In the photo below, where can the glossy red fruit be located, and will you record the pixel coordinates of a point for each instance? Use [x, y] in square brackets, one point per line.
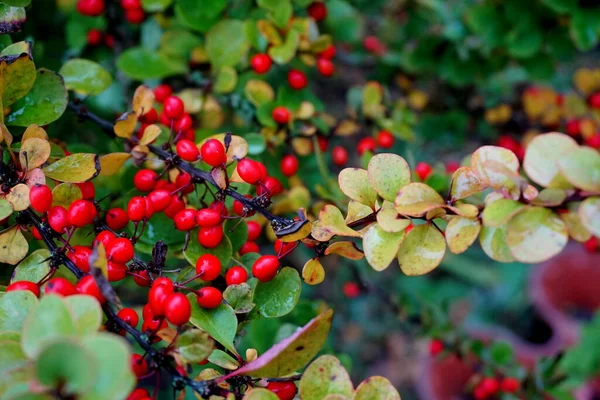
[88, 191]
[187, 150]
[87, 285]
[177, 309]
[254, 230]
[177, 204]
[40, 198]
[283, 390]
[328, 53]
[351, 290]
[508, 142]
[373, 45]
[136, 208]
[120, 250]
[208, 267]
[297, 79]
[80, 255]
[210, 236]
[289, 165]
[162, 92]
[60, 286]
[270, 187]
[236, 275]
[385, 139]
[81, 213]
[156, 298]
[131, 4]
[283, 248]
[24, 285]
[58, 219]
[573, 127]
[135, 16]
[593, 141]
[325, 67]
[339, 156]
[249, 171]
[317, 10]
[109, 41]
[366, 144]
[452, 166]
[116, 271]
[116, 219]
[149, 209]
[479, 393]
[261, 63]
[164, 281]
[209, 297]
[249, 247]
[423, 170]
[160, 199]
[213, 153]
[142, 278]
[150, 117]
[594, 100]
[281, 115]
[94, 37]
[185, 220]
[591, 244]
[36, 234]
[145, 180]
[206, 217]
[436, 346]
[510, 385]
[139, 394]
[104, 237]
[154, 325]
[130, 316]
[265, 268]
[183, 183]
[184, 123]
[173, 107]
[91, 8]
[490, 385]
[238, 207]
[139, 365]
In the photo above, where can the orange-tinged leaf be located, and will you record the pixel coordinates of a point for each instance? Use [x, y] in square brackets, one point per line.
[143, 100]
[33, 153]
[34, 131]
[542, 157]
[465, 183]
[74, 168]
[313, 272]
[13, 246]
[112, 163]
[422, 250]
[381, 247]
[461, 233]
[19, 197]
[416, 199]
[345, 249]
[150, 134]
[220, 177]
[125, 125]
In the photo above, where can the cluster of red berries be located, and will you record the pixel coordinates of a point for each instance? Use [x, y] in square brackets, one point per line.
[91, 8]
[573, 127]
[384, 140]
[261, 64]
[134, 13]
[490, 387]
[173, 115]
[95, 37]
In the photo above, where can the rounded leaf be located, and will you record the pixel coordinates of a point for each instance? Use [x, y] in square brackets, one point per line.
[589, 212]
[18, 197]
[86, 312]
[74, 168]
[331, 223]
[33, 153]
[85, 77]
[14, 308]
[345, 249]
[376, 387]
[493, 242]
[581, 167]
[226, 43]
[143, 100]
[323, 377]
[220, 323]
[112, 163]
[422, 250]
[65, 193]
[461, 233]
[416, 199]
[13, 246]
[381, 247]
[388, 173]
[33, 268]
[542, 157]
[501, 211]
[488, 163]
[313, 272]
[194, 345]
[354, 182]
[280, 295]
[575, 226]
[260, 394]
[465, 182]
[259, 92]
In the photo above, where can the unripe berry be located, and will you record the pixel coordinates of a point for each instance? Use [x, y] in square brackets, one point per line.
[289, 165]
[317, 10]
[24, 285]
[60, 286]
[58, 219]
[261, 63]
[209, 297]
[80, 255]
[283, 390]
[81, 213]
[87, 285]
[236, 275]
[116, 219]
[40, 198]
[210, 237]
[366, 144]
[145, 180]
[213, 153]
[297, 79]
[177, 309]
[173, 107]
[136, 208]
[208, 267]
[265, 268]
[339, 156]
[423, 170]
[325, 67]
[281, 115]
[187, 150]
[385, 139]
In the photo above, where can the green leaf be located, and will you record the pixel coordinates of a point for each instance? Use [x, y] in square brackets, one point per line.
[331, 223]
[11, 355]
[237, 232]
[161, 227]
[279, 296]
[114, 379]
[589, 214]
[325, 376]
[561, 6]
[581, 167]
[220, 322]
[194, 346]
[14, 307]
[226, 43]
[85, 77]
[493, 243]
[461, 233]
[199, 15]
[376, 387]
[33, 268]
[16, 3]
[226, 80]
[284, 53]
[260, 394]
[12, 19]
[45, 323]
[74, 168]
[259, 93]
[381, 247]
[542, 157]
[354, 182]
[583, 29]
[239, 298]
[256, 143]
[292, 353]
[535, 235]
[581, 361]
[17, 75]
[178, 43]
[64, 194]
[13, 245]
[501, 352]
[45, 102]
[75, 373]
[524, 41]
[140, 64]
[223, 360]
[87, 313]
[388, 173]
[280, 11]
[6, 208]
[422, 250]
[499, 212]
[153, 6]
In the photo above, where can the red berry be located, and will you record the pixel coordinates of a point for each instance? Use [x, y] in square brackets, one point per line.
[94, 37]
[209, 297]
[452, 166]
[177, 309]
[297, 79]
[173, 107]
[373, 45]
[328, 53]
[238, 208]
[593, 141]
[162, 92]
[208, 267]
[142, 278]
[116, 219]
[40, 197]
[289, 165]
[236, 275]
[510, 385]
[177, 204]
[339, 156]
[136, 208]
[591, 244]
[131, 4]
[490, 385]
[249, 247]
[109, 41]
[36, 233]
[136, 16]
[185, 220]
[145, 180]
[88, 191]
[325, 67]
[149, 117]
[164, 281]
[573, 127]
[211, 236]
[183, 183]
[139, 394]
[479, 393]
[270, 187]
[87, 285]
[283, 248]
[156, 298]
[130, 316]
[436, 346]
[160, 199]
[318, 11]
[139, 365]
[90, 8]
[594, 100]
[253, 230]
[265, 268]
[260, 63]
[116, 271]
[206, 217]
[120, 250]
[80, 255]
[249, 171]
[323, 143]
[60, 286]
[281, 115]
[183, 124]
[187, 150]
[366, 144]
[283, 390]
[508, 142]
[213, 153]
[351, 290]
[385, 139]
[423, 170]
[154, 325]
[81, 213]
[24, 285]
[58, 219]
[104, 237]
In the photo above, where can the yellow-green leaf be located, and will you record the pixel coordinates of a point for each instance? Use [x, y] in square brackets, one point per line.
[388, 173]
[33, 153]
[416, 199]
[489, 163]
[260, 394]
[501, 211]
[422, 250]
[226, 80]
[381, 247]
[542, 157]
[112, 163]
[581, 167]
[354, 182]
[283, 53]
[74, 168]
[65, 193]
[461, 233]
[313, 272]
[376, 387]
[17, 76]
[150, 134]
[390, 221]
[6, 208]
[330, 223]
[13, 246]
[85, 77]
[550, 197]
[465, 182]
[258, 92]
[493, 243]
[125, 125]
[345, 249]
[575, 226]
[589, 212]
[325, 376]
